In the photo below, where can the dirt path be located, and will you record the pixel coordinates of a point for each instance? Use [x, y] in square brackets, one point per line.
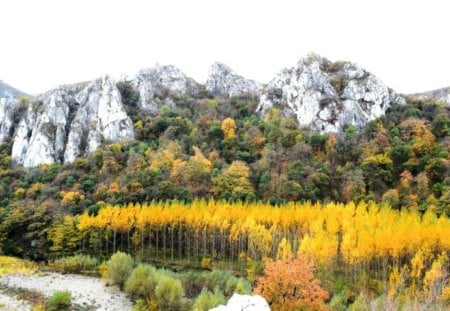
[86, 291]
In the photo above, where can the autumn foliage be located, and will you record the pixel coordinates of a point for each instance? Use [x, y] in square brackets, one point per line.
[229, 128]
[290, 285]
[354, 235]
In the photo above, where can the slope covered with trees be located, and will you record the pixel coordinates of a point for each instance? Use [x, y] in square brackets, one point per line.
[208, 181]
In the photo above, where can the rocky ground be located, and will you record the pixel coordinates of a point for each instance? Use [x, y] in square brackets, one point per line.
[86, 291]
[8, 303]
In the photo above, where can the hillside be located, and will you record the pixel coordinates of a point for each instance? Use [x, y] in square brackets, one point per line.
[214, 148]
[230, 173]
[73, 120]
[443, 95]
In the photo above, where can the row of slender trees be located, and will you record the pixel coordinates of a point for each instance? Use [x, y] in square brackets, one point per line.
[367, 236]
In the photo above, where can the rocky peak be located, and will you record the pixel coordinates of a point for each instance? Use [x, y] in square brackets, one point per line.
[157, 85]
[224, 82]
[7, 91]
[327, 96]
[10, 105]
[71, 121]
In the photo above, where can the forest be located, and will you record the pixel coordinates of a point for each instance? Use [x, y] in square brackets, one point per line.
[210, 185]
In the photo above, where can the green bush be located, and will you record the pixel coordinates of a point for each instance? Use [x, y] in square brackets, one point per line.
[118, 268]
[169, 294]
[360, 303]
[338, 302]
[221, 280]
[75, 264]
[243, 287]
[208, 300]
[142, 282]
[141, 305]
[225, 281]
[60, 300]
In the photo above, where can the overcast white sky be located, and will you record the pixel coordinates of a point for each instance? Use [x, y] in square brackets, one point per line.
[50, 42]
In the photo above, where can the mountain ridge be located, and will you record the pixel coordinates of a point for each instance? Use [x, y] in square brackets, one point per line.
[441, 94]
[322, 95]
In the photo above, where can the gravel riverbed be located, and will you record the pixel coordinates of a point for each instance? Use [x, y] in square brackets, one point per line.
[86, 291]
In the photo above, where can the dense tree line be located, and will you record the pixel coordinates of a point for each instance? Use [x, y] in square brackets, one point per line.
[218, 149]
[208, 180]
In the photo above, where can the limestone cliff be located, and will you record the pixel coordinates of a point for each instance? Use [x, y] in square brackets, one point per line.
[327, 96]
[158, 85]
[224, 82]
[71, 121]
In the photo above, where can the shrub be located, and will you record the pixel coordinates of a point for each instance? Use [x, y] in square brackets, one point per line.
[226, 282]
[243, 287]
[207, 300]
[142, 282]
[119, 268]
[339, 302]
[9, 265]
[222, 280]
[141, 305]
[60, 300]
[206, 263]
[75, 264]
[70, 181]
[169, 294]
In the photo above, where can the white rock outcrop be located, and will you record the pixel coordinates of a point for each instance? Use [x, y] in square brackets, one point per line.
[71, 121]
[327, 96]
[101, 117]
[157, 85]
[244, 302]
[224, 82]
[9, 105]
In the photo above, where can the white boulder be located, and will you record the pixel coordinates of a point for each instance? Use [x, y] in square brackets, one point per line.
[244, 303]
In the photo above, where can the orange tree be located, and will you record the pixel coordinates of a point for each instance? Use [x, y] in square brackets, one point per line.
[290, 285]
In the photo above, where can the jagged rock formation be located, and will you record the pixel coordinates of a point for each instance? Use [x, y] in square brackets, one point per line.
[9, 106]
[224, 82]
[442, 95]
[328, 96]
[244, 302]
[71, 121]
[157, 85]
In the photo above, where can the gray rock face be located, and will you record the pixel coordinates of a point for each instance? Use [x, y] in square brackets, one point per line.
[442, 95]
[446, 99]
[224, 82]
[157, 85]
[71, 121]
[9, 105]
[327, 96]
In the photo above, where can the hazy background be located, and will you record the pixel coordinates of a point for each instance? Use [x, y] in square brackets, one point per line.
[50, 42]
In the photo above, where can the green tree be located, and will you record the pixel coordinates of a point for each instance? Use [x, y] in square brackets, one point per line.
[234, 183]
[377, 172]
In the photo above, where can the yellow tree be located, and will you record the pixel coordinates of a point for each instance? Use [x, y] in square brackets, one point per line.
[193, 174]
[234, 183]
[229, 128]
